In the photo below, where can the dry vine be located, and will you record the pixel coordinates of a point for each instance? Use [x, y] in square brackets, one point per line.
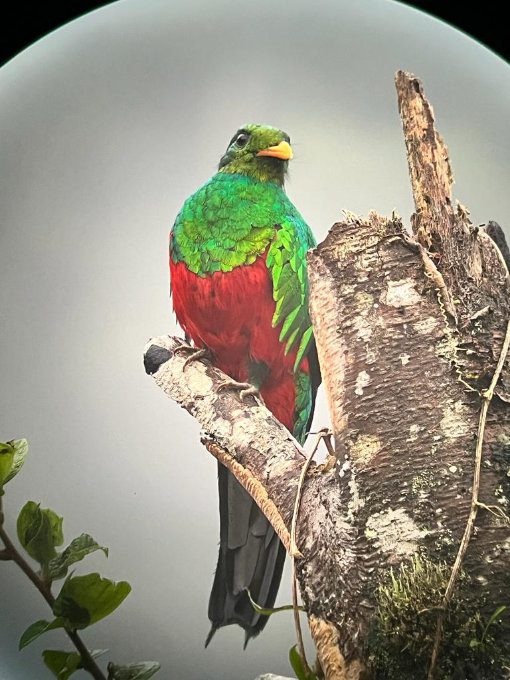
[486, 400]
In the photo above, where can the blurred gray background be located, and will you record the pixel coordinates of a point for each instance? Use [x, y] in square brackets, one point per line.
[106, 126]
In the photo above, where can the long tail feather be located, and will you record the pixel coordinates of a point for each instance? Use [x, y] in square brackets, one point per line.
[251, 556]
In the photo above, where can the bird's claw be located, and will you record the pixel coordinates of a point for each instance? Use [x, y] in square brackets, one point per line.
[245, 389]
[198, 354]
[195, 353]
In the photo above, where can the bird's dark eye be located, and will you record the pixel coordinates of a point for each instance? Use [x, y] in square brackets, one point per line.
[242, 139]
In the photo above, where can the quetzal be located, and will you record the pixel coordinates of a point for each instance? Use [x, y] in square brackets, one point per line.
[240, 290]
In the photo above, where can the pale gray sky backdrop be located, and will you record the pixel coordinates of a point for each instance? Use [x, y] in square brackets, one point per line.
[106, 126]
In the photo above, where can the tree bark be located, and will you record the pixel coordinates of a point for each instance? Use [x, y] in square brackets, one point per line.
[409, 331]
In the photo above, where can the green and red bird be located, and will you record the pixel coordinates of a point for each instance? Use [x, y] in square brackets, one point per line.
[240, 290]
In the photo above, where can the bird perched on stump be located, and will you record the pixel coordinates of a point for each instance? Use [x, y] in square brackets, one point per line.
[240, 290]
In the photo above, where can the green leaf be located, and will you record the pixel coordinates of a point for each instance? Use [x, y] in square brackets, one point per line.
[265, 611]
[299, 667]
[84, 600]
[297, 664]
[134, 671]
[37, 629]
[78, 549]
[64, 664]
[20, 453]
[39, 531]
[6, 461]
[495, 616]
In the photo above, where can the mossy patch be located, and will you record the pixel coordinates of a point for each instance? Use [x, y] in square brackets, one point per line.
[401, 637]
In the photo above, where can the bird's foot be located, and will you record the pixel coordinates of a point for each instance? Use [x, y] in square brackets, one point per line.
[195, 353]
[245, 389]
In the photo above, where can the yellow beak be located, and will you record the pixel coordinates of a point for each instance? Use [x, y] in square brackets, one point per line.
[282, 150]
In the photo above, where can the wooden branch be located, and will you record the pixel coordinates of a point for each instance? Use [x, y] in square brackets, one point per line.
[244, 436]
[469, 259]
[429, 165]
[472, 260]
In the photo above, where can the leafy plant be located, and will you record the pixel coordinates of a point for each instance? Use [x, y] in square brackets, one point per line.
[402, 633]
[81, 601]
[484, 638]
[299, 668]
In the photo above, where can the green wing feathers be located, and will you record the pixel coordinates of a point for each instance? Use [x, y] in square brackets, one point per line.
[286, 259]
[304, 405]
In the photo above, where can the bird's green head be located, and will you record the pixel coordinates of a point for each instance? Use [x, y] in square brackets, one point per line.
[259, 151]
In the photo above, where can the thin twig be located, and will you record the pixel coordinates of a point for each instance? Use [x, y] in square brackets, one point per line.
[11, 551]
[294, 551]
[297, 621]
[496, 511]
[18, 559]
[321, 434]
[486, 400]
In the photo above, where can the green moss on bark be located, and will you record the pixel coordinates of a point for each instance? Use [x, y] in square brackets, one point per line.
[401, 638]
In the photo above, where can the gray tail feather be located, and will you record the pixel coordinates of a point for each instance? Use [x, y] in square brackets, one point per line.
[251, 557]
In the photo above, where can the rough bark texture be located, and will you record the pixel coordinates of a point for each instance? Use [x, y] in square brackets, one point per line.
[409, 330]
[471, 263]
[404, 428]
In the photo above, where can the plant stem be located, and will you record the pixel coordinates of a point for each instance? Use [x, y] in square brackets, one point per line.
[294, 551]
[11, 553]
[15, 556]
